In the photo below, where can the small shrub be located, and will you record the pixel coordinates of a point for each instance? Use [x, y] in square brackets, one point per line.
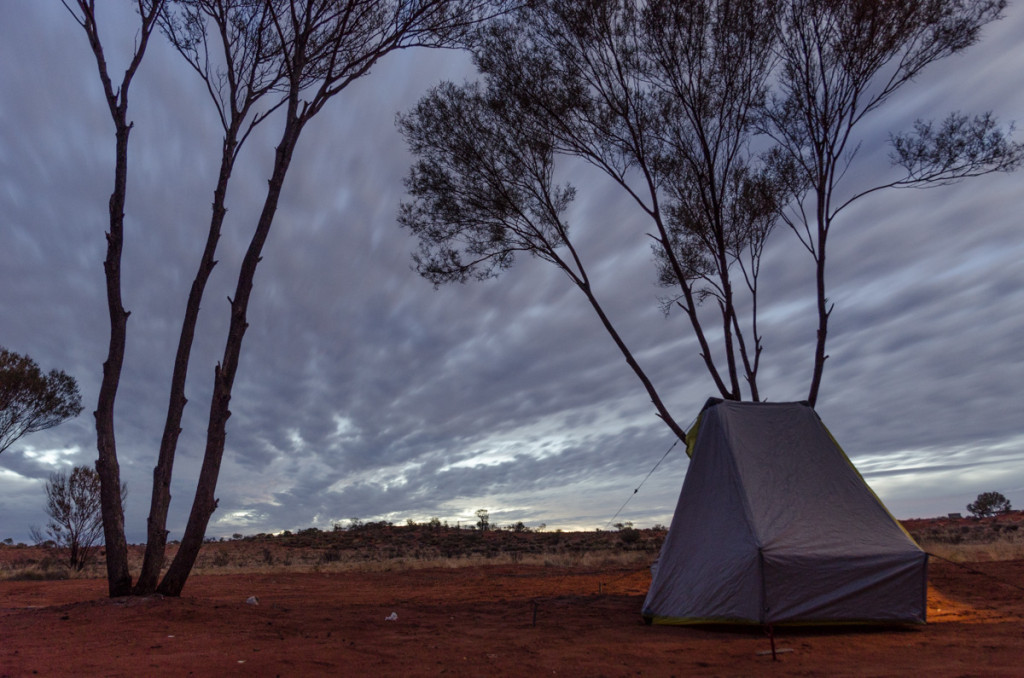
[629, 535]
[989, 504]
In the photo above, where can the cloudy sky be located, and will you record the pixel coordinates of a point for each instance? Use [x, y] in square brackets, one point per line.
[365, 393]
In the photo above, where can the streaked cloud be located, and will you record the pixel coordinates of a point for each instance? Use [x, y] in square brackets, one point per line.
[365, 393]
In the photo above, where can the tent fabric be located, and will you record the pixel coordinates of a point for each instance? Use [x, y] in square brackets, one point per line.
[775, 525]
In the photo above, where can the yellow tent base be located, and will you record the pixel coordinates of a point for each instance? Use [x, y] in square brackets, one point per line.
[698, 621]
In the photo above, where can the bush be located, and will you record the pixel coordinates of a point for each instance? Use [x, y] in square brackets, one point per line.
[989, 504]
[629, 535]
[73, 506]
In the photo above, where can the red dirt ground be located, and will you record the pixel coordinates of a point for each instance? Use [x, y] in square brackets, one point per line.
[480, 621]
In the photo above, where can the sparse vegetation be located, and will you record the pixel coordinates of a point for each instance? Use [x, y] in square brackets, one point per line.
[971, 539]
[627, 533]
[73, 505]
[34, 564]
[385, 547]
[376, 547]
[31, 401]
[989, 504]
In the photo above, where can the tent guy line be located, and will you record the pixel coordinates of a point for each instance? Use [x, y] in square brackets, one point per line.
[637, 488]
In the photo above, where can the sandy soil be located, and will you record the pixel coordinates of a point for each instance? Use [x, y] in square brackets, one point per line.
[481, 621]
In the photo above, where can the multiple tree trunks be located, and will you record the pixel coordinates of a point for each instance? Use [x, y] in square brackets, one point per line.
[667, 98]
[313, 49]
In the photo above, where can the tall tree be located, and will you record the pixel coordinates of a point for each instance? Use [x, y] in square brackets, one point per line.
[119, 578]
[240, 65]
[660, 97]
[304, 52]
[325, 45]
[842, 60]
[717, 119]
[31, 401]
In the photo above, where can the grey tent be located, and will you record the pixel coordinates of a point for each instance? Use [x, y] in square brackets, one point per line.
[775, 525]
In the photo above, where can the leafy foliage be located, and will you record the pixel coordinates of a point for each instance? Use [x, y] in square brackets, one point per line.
[31, 401]
[659, 96]
[989, 504]
[842, 61]
[716, 119]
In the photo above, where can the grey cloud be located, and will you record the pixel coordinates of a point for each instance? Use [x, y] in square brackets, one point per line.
[365, 393]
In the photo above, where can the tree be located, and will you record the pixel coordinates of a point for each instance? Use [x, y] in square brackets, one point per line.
[325, 45]
[839, 63]
[31, 401]
[304, 52]
[246, 72]
[605, 83]
[705, 118]
[660, 96]
[989, 504]
[76, 521]
[483, 520]
[119, 577]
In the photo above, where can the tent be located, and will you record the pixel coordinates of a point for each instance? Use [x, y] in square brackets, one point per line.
[774, 525]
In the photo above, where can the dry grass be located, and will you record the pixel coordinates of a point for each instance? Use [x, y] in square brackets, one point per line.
[234, 558]
[971, 539]
[48, 569]
[388, 548]
[976, 553]
[36, 572]
[379, 549]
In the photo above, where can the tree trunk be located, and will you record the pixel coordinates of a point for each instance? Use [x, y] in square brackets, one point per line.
[119, 579]
[824, 311]
[726, 308]
[690, 308]
[156, 540]
[205, 502]
[663, 412]
[73, 556]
